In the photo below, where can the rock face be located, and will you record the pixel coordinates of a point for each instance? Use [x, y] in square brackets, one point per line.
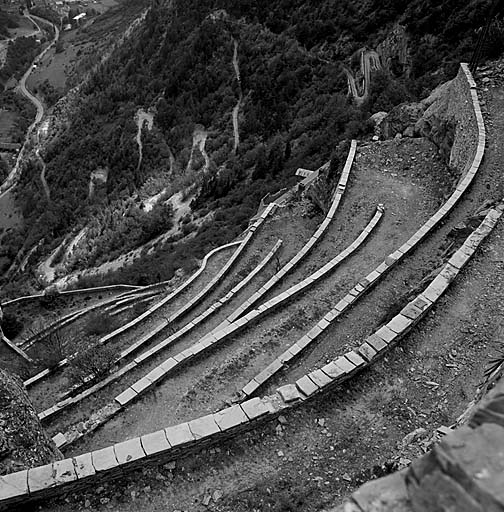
[442, 117]
[464, 472]
[394, 51]
[23, 442]
[402, 119]
[320, 192]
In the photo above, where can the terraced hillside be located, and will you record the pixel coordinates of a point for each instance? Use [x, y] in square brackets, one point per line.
[289, 367]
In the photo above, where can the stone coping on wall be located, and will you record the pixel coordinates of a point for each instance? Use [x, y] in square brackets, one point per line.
[180, 440]
[384, 267]
[79, 291]
[167, 367]
[189, 305]
[168, 444]
[127, 296]
[338, 193]
[72, 317]
[303, 253]
[184, 330]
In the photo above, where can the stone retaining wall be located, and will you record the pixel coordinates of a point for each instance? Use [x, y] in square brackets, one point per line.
[161, 345]
[80, 291]
[173, 442]
[167, 367]
[471, 138]
[463, 472]
[70, 318]
[222, 332]
[180, 440]
[303, 253]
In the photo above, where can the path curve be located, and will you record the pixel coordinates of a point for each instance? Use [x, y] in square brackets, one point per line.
[13, 175]
[236, 109]
[370, 61]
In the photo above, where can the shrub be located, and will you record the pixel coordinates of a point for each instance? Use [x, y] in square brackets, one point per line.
[11, 325]
[92, 364]
[99, 323]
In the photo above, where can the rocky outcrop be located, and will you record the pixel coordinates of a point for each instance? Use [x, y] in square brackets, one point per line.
[402, 120]
[320, 191]
[98, 182]
[23, 442]
[444, 117]
[394, 52]
[462, 472]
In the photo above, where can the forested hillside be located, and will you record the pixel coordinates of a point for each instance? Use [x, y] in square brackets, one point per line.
[290, 95]
[6, 22]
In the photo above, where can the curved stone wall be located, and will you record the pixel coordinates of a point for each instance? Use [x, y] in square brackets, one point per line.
[167, 367]
[172, 442]
[72, 400]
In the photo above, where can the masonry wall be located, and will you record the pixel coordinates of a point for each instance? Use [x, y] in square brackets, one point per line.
[180, 440]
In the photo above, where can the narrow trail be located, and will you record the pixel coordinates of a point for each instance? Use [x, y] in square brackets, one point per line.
[142, 117]
[370, 61]
[236, 109]
[43, 180]
[4, 43]
[13, 175]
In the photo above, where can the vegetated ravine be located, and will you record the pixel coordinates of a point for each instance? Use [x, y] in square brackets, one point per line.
[292, 104]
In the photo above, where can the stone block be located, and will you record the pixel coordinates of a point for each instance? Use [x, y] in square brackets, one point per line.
[398, 325]
[386, 494]
[314, 332]
[141, 385]
[306, 385]
[155, 374]
[346, 365]
[265, 374]
[333, 370]
[168, 365]
[459, 259]
[367, 351]
[355, 359]
[323, 324]
[294, 350]
[373, 276]
[14, 485]
[155, 442]
[59, 440]
[230, 417]
[254, 408]
[250, 388]
[289, 393]
[179, 434]
[40, 478]
[320, 378]
[342, 305]
[422, 303]
[411, 311]
[204, 427]
[303, 341]
[471, 459]
[84, 465]
[438, 491]
[104, 459]
[377, 342]
[129, 451]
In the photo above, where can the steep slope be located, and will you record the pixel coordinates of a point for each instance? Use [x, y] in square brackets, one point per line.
[292, 107]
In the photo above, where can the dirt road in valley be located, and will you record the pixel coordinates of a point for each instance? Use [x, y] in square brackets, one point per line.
[13, 175]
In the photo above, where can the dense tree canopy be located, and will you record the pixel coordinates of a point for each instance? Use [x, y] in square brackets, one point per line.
[293, 105]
